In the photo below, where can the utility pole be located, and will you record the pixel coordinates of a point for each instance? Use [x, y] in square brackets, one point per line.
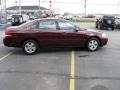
[39, 6]
[117, 7]
[16, 6]
[50, 4]
[85, 7]
[20, 7]
[39, 11]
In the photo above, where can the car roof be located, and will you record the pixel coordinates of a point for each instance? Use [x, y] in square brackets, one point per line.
[108, 16]
[50, 18]
[42, 19]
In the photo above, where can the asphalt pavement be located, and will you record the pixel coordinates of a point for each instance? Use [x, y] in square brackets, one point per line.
[62, 69]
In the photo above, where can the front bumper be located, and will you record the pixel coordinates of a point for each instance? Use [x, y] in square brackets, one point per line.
[104, 41]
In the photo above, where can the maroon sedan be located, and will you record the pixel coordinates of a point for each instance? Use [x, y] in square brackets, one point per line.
[44, 33]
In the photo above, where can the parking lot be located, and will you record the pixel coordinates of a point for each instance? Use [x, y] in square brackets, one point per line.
[62, 69]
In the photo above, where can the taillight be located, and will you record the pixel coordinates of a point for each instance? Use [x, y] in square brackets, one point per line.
[9, 32]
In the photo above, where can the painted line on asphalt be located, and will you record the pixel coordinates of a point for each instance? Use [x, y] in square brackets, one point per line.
[72, 72]
[5, 56]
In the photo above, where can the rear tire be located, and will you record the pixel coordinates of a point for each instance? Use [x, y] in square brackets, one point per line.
[93, 44]
[30, 47]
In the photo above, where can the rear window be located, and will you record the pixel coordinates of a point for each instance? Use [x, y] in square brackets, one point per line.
[108, 17]
[13, 16]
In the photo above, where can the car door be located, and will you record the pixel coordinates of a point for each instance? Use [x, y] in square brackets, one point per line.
[47, 33]
[69, 36]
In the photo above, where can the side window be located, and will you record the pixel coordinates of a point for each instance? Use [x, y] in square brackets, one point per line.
[34, 26]
[66, 26]
[45, 25]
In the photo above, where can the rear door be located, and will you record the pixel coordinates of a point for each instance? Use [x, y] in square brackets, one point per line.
[47, 33]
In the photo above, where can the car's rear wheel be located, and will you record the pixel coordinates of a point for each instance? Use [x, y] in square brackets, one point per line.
[93, 44]
[30, 47]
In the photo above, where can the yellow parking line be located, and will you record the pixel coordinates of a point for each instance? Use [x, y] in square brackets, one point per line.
[2, 58]
[72, 72]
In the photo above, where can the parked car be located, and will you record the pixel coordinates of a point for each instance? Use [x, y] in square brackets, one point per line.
[32, 18]
[19, 19]
[51, 32]
[16, 20]
[67, 17]
[105, 22]
[117, 22]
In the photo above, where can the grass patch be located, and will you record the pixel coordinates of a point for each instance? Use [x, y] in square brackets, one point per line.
[83, 20]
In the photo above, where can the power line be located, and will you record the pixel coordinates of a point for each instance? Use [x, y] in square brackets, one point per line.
[77, 3]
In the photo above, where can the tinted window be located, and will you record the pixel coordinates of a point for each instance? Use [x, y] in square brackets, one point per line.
[66, 26]
[108, 17]
[45, 25]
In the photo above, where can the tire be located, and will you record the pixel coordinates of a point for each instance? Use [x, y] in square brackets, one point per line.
[96, 26]
[100, 27]
[30, 47]
[93, 44]
[113, 28]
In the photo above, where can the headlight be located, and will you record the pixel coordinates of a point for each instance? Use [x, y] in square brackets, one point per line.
[104, 35]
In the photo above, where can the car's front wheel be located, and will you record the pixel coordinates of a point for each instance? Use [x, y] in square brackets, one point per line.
[93, 44]
[113, 28]
[30, 47]
[100, 27]
[96, 26]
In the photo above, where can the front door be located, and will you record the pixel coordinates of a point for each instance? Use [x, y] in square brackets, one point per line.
[70, 37]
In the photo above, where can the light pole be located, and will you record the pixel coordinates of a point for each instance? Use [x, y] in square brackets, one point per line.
[20, 7]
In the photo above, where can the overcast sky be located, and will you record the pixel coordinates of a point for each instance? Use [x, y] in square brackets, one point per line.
[76, 6]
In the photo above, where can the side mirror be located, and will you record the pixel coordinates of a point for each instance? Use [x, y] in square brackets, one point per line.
[77, 29]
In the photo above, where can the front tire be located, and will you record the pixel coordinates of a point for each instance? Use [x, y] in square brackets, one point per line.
[113, 28]
[30, 47]
[93, 44]
[96, 26]
[100, 27]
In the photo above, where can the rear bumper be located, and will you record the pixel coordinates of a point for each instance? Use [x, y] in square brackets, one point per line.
[108, 25]
[10, 42]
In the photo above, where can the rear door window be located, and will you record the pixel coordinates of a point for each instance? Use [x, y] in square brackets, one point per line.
[46, 25]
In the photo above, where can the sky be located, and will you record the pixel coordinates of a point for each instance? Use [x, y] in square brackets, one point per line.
[75, 6]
